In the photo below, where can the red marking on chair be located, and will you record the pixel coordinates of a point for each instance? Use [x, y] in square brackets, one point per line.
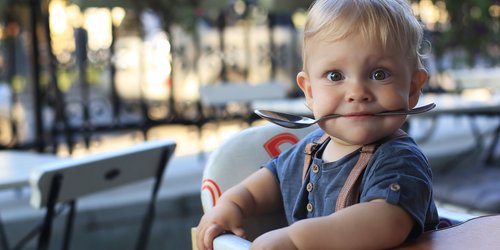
[213, 188]
[272, 145]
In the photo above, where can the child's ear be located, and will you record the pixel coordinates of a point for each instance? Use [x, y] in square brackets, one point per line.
[305, 86]
[417, 83]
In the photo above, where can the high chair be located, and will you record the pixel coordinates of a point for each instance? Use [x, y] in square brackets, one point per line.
[235, 159]
[243, 154]
[248, 150]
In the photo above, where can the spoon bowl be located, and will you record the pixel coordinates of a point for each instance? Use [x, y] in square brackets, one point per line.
[297, 121]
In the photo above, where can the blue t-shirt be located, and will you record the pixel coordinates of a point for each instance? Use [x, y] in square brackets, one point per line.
[398, 172]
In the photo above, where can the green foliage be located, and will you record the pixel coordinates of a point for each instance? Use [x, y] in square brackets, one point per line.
[94, 72]
[65, 79]
[18, 83]
[472, 28]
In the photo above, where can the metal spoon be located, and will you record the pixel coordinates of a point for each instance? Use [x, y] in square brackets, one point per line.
[297, 121]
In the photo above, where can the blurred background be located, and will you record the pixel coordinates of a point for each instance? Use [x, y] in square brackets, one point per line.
[70, 69]
[76, 75]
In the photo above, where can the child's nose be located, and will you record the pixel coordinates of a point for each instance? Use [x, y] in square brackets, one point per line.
[358, 92]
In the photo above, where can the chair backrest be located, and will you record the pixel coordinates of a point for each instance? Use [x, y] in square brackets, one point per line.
[235, 159]
[68, 180]
[243, 154]
[103, 171]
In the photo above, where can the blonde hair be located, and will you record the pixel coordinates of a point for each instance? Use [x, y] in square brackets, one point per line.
[388, 23]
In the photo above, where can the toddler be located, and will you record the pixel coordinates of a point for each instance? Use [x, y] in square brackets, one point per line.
[360, 57]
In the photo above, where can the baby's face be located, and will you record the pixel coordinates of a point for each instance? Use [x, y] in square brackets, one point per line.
[358, 79]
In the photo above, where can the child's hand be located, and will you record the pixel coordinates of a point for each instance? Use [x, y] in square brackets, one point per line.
[225, 217]
[276, 239]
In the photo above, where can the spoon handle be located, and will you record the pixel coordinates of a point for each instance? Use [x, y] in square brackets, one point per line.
[418, 110]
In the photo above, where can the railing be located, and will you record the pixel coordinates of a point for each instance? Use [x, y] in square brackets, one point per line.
[44, 114]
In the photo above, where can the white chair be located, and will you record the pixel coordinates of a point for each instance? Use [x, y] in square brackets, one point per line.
[67, 180]
[243, 154]
[235, 159]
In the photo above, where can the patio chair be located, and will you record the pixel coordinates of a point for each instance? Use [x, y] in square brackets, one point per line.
[65, 181]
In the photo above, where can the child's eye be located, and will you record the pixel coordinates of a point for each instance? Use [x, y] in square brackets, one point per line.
[334, 76]
[380, 75]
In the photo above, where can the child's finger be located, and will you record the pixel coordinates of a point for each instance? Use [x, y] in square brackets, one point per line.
[239, 232]
[211, 232]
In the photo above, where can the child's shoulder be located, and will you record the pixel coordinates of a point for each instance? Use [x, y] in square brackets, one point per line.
[404, 145]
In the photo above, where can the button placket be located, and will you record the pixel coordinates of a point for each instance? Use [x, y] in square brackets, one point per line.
[315, 171]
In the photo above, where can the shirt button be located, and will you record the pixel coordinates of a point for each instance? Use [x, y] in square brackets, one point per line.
[315, 168]
[395, 187]
[309, 207]
[309, 187]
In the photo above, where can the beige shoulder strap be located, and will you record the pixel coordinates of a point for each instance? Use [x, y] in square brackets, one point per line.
[310, 149]
[349, 193]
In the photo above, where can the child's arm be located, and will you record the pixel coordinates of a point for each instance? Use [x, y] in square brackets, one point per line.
[370, 225]
[259, 193]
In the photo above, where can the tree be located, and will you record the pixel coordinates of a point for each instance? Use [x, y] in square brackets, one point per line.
[474, 26]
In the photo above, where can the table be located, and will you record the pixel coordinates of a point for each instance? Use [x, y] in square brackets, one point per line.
[447, 106]
[478, 233]
[453, 104]
[15, 167]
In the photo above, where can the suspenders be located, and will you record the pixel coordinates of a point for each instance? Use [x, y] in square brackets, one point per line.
[349, 193]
